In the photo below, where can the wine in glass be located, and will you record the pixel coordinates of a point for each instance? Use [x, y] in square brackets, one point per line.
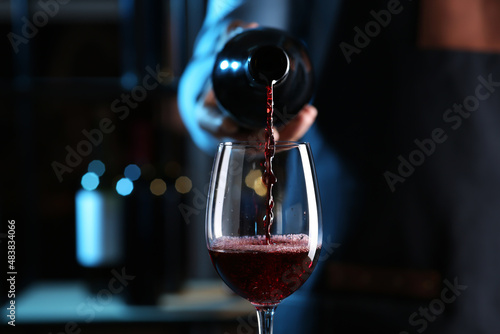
[263, 224]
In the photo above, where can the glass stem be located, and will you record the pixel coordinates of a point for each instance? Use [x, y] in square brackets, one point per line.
[265, 315]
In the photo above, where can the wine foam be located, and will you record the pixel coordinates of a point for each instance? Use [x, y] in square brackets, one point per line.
[279, 243]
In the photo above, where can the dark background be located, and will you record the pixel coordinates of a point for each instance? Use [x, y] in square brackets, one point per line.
[62, 79]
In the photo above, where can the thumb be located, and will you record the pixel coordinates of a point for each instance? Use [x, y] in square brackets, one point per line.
[299, 125]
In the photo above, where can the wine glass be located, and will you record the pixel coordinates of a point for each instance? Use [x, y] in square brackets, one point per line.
[263, 221]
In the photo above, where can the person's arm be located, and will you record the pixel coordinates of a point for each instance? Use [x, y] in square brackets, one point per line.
[204, 121]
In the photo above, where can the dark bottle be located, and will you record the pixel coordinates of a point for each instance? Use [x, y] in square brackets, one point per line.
[254, 59]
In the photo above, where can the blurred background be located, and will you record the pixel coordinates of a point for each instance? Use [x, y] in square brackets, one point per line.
[104, 185]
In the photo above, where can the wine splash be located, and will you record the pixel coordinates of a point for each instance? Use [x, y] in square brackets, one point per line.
[269, 150]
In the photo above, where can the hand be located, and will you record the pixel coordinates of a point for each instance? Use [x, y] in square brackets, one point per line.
[298, 126]
[212, 120]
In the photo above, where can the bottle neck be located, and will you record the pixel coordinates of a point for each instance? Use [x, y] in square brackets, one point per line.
[269, 64]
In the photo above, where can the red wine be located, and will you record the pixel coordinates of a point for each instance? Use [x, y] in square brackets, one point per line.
[268, 177]
[264, 274]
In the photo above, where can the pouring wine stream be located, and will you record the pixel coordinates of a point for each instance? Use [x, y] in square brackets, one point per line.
[269, 65]
[269, 177]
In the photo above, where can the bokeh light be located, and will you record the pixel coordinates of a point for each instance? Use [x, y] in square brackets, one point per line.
[132, 172]
[254, 181]
[128, 80]
[97, 167]
[183, 184]
[90, 181]
[89, 206]
[124, 186]
[158, 187]
[235, 65]
[224, 65]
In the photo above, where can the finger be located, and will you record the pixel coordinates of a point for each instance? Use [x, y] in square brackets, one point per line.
[241, 24]
[298, 126]
[251, 25]
[209, 118]
[219, 125]
[276, 134]
[210, 100]
[228, 128]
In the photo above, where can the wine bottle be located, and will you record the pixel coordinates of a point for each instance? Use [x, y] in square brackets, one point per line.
[253, 60]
